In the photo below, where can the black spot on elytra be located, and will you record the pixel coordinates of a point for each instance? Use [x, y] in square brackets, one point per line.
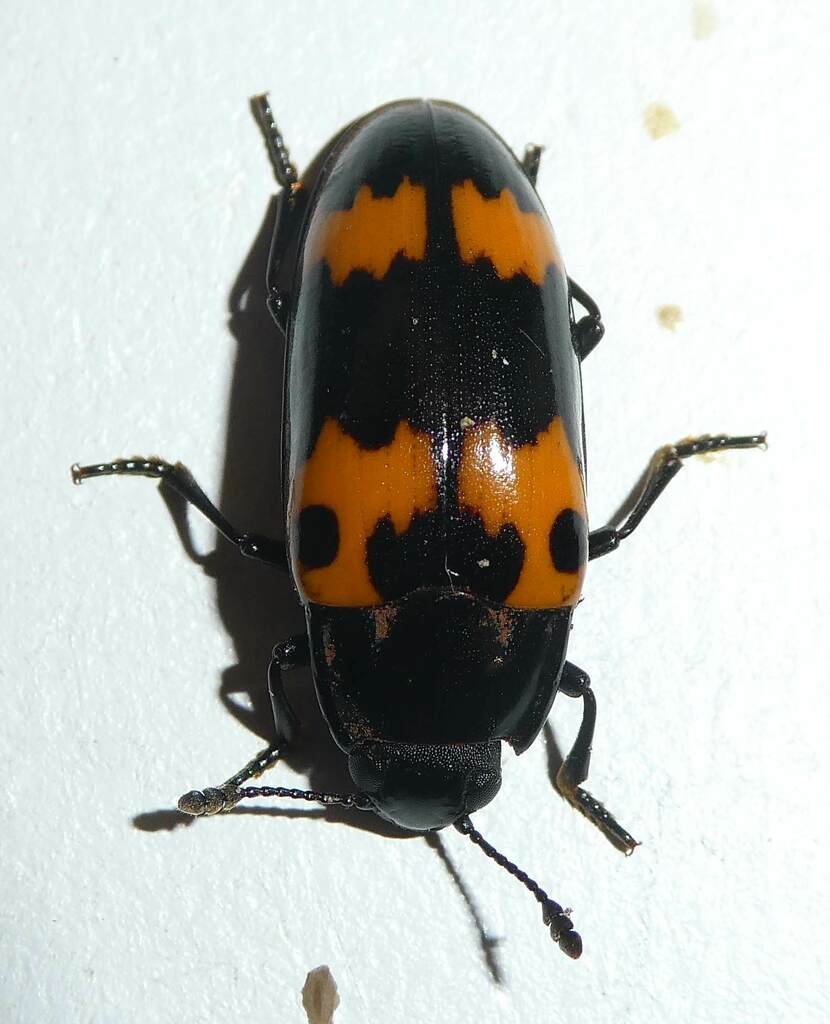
[319, 536]
[568, 541]
[457, 554]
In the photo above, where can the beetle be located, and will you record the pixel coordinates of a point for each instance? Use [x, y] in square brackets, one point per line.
[433, 465]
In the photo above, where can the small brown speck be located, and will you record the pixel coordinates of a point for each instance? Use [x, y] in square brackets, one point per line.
[669, 317]
[502, 622]
[329, 651]
[704, 20]
[320, 998]
[384, 617]
[660, 120]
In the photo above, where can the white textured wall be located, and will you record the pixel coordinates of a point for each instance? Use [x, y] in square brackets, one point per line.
[134, 184]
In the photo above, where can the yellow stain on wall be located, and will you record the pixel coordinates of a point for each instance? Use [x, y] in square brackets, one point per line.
[704, 20]
[660, 120]
[669, 316]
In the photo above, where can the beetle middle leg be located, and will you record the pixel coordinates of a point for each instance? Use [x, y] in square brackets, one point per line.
[576, 683]
[179, 478]
[664, 465]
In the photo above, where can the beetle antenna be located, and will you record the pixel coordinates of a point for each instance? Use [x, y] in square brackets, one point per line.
[284, 170]
[214, 800]
[560, 924]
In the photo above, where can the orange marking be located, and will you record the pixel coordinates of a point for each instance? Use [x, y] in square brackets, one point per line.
[372, 233]
[361, 487]
[528, 487]
[515, 242]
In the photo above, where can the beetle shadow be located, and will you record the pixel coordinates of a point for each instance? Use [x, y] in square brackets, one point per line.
[257, 603]
[554, 758]
[489, 943]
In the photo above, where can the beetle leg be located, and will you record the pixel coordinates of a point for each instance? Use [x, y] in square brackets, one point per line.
[586, 332]
[530, 161]
[664, 465]
[213, 799]
[180, 479]
[576, 683]
[291, 653]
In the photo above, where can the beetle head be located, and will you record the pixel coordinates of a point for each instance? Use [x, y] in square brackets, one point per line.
[426, 786]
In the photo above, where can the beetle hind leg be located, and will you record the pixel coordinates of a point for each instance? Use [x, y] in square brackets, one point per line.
[574, 769]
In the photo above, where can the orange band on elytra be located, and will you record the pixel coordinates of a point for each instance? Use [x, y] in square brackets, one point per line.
[515, 242]
[372, 233]
[528, 487]
[361, 487]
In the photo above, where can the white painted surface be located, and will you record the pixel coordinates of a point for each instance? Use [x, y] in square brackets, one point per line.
[134, 183]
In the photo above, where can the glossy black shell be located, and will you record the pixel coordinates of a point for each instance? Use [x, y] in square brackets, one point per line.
[441, 659]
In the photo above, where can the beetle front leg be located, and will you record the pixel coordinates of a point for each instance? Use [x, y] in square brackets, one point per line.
[589, 330]
[291, 653]
[531, 160]
[284, 170]
[576, 683]
[180, 479]
[664, 465]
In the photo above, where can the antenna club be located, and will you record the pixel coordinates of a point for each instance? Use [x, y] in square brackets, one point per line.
[205, 802]
[571, 944]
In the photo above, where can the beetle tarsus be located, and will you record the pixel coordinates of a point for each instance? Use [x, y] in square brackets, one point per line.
[531, 160]
[137, 465]
[258, 764]
[284, 170]
[215, 799]
[599, 815]
[179, 478]
[575, 682]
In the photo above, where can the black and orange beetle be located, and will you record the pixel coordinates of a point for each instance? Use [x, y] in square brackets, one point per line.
[433, 469]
